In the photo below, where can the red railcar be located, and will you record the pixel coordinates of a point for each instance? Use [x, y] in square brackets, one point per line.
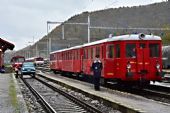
[128, 58]
[17, 61]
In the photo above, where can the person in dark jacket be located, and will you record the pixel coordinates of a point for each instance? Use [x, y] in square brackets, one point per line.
[97, 68]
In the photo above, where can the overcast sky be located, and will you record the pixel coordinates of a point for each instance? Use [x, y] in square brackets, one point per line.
[21, 20]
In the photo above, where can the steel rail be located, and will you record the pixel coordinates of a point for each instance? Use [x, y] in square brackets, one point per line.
[160, 91]
[159, 88]
[40, 99]
[156, 90]
[157, 93]
[88, 107]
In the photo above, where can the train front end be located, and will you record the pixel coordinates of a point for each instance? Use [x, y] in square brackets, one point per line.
[144, 59]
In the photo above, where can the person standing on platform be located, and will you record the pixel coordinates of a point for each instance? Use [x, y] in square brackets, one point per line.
[97, 68]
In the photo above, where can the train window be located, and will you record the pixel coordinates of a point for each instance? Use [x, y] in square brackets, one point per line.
[102, 52]
[142, 45]
[110, 51]
[117, 51]
[130, 50]
[84, 54]
[78, 53]
[50, 58]
[69, 56]
[98, 51]
[66, 55]
[21, 59]
[73, 55]
[94, 53]
[154, 50]
[89, 53]
[63, 56]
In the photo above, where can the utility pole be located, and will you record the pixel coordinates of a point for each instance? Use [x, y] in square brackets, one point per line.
[63, 30]
[88, 28]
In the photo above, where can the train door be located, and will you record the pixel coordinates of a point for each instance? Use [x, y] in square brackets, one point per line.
[142, 54]
[117, 62]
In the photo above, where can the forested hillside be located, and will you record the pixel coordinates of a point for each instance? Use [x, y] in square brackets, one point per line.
[150, 16]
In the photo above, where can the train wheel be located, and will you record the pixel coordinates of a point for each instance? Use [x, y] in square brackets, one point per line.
[63, 73]
[16, 75]
[54, 72]
[77, 76]
[21, 75]
[143, 84]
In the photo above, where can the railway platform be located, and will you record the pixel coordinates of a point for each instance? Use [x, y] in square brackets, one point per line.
[137, 103]
[11, 99]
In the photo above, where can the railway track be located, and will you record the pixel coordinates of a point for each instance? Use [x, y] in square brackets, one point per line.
[155, 92]
[55, 100]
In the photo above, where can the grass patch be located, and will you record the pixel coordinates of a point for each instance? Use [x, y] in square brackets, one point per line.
[13, 96]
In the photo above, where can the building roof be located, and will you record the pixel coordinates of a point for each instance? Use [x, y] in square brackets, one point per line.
[4, 45]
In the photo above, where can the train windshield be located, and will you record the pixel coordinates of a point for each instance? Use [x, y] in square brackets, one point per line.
[154, 50]
[21, 60]
[39, 59]
[18, 60]
[131, 50]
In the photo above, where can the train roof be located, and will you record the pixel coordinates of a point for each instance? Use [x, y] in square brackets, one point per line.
[115, 38]
[31, 58]
[125, 37]
[71, 48]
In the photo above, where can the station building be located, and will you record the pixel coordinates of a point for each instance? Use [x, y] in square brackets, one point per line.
[4, 45]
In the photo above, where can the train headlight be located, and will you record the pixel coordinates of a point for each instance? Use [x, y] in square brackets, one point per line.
[158, 67]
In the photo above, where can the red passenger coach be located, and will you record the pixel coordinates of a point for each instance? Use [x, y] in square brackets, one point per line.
[38, 61]
[133, 58]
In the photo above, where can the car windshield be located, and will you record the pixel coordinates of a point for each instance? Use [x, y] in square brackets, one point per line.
[28, 65]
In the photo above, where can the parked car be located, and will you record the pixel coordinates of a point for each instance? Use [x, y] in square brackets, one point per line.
[28, 68]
